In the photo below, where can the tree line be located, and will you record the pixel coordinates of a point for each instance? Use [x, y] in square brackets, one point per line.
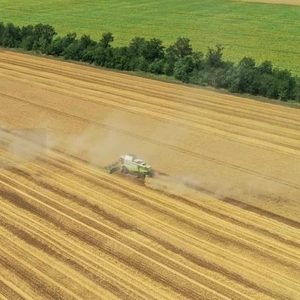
[178, 60]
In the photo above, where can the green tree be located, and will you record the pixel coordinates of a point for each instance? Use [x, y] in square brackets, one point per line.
[267, 86]
[59, 46]
[170, 60]
[2, 30]
[137, 46]
[135, 51]
[121, 58]
[157, 66]
[184, 68]
[43, 36]
[56, 48]
[11, 36]
[153, 49]
[69, 39]
[245, 77]
[214, 56]
[27, 36]
[220, 77]
[103, 52]
[85, 48]
[85, 42]
[265, 67]
[44, 32]
[106, 40]
[286, 85]
[72, 51]
[181, 48]
[103, 56]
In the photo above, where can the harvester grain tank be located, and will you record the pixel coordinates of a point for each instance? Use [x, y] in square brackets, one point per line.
[130, 164]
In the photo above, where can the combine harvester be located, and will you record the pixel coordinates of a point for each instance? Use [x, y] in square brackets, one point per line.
[130, 164]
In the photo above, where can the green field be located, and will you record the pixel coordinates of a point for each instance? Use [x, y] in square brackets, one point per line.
[262, 31]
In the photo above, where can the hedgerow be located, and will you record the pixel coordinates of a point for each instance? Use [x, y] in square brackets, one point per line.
[178, 60]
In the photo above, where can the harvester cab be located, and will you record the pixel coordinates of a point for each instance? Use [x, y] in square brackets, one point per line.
[130, 164]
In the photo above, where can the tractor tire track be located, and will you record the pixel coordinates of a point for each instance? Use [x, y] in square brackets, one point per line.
[165, 145]
[109, 80]
[137, 102]
[167, 245]
[74, 226]
[75, 256]
[116, 238]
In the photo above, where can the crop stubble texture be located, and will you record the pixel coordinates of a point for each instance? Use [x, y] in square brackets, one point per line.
[70, 231]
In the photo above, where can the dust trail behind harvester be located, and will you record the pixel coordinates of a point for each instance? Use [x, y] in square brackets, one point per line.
[173, 185]
[25, 145]
[206, 184]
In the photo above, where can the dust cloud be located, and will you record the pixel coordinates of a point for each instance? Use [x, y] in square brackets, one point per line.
[206, 184]
[102, 145]
[24, 145]
[171, 185]
[113, 135]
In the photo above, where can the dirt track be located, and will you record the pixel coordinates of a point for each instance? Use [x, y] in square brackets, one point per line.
[71, 231]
